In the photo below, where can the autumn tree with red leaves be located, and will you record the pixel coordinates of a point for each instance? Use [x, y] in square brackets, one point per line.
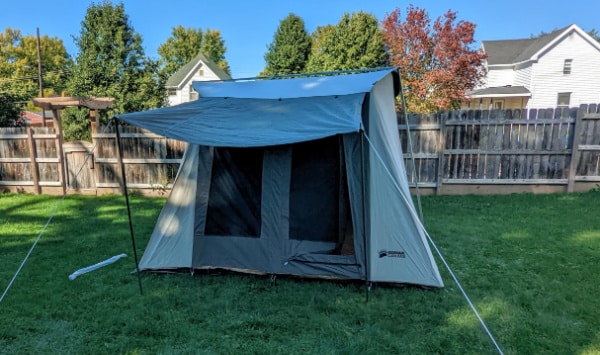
[437, 64]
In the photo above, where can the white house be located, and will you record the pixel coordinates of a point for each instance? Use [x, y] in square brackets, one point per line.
[558, 69]
[201, 68]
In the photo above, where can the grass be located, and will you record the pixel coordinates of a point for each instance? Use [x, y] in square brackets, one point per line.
[530, 264]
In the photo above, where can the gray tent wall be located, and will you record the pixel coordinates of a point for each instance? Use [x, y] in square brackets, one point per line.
[403, 253]
[306, 135]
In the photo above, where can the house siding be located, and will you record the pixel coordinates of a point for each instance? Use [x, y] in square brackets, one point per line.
[500, 77]
[583, 81]
[523, 76]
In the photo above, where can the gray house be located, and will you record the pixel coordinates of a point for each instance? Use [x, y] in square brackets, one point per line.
[201, 68]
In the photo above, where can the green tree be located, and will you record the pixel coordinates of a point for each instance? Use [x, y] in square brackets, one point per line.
[19, 64]
[213, 46]
[290, 49]
[111, 63]
[183, 45]
[594, 33]
[10, 110]
[355, 42]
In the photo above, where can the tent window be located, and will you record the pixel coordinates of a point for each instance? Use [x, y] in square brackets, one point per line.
[314, 190]
[234, 201]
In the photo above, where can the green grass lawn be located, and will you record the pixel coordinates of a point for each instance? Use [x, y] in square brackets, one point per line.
[530, 263]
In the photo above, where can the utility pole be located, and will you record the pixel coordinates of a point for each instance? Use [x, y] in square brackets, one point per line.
[40, 84]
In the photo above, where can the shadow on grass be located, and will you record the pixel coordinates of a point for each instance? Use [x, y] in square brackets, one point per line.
[529, 263]
[532, 258]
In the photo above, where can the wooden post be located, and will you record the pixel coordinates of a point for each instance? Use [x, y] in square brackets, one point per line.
[95, 129]
[59, 148]
[35, 173]
[578, 131]
[40, 80]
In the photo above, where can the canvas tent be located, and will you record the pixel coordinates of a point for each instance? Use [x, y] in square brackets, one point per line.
[298, 176]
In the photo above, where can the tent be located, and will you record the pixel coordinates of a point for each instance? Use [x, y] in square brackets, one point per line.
[298, 176]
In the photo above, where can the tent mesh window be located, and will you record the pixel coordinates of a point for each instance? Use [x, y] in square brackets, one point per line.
[234, 202]
[314, 191]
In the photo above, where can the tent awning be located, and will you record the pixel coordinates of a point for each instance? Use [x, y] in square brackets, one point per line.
[253, 122]
[264, 112]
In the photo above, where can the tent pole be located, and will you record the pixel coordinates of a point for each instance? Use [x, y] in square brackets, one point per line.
[364, 212]
[126, 194]
[410, 148]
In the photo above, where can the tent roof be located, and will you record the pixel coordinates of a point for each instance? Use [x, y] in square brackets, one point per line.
[265, 112]
[325, 84]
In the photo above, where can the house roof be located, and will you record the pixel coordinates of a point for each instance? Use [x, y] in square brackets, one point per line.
[513, 51]
[501, 91]
[181, 76]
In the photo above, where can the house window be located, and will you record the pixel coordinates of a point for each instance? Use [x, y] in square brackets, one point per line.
[564, 99]
[498, 104]
[172, 92]
[193, 94]
[567, 66]
[201, 72]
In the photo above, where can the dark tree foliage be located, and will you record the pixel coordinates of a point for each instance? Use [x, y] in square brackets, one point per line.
[111, 63]
[185, 44]
[356, 42]
[10, 110]
[290, 49]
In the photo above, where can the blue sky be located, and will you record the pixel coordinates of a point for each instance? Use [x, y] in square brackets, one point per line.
[248, 26]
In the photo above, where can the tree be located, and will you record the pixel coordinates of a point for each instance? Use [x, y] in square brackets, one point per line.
[290, 49]
[10, 110]
[437, 65]
[19, 64]
[111, 63]
[183, 45]
[213, 46]
[356, 42]
[594, 33]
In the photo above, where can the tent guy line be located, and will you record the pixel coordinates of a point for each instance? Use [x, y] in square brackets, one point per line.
[441, 256]
[50, 218]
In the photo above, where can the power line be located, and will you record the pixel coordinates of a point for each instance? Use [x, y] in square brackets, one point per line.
[34, 77]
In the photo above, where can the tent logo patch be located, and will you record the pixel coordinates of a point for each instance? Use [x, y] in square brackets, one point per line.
[391, 253]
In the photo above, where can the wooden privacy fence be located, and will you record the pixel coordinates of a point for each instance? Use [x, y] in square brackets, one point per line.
[453, 152]
[30, 161]
[474, 151]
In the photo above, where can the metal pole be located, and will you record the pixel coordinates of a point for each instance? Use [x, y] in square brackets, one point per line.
[124, 183]
[364, 213]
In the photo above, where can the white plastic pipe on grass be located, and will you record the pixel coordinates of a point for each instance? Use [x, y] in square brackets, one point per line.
[84, 270]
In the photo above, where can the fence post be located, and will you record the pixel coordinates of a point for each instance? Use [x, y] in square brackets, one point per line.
[35, 173]
[59, 147]
[577, 132]
[95, 126]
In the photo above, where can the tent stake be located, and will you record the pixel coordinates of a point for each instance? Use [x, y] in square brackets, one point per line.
[124, 184]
